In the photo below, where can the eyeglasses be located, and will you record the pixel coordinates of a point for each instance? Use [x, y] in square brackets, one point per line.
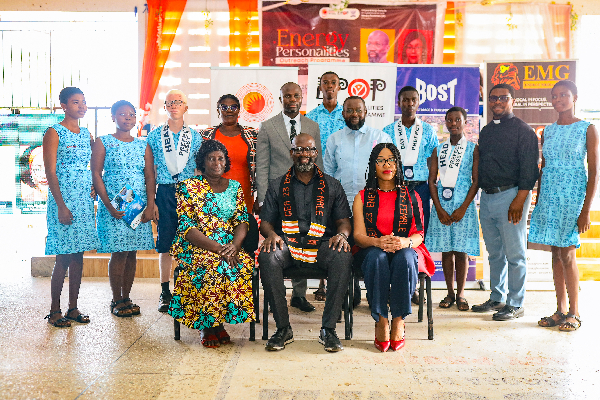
[175, 103]
[232, 107]
[130, 115]
[351, 111]
[382, 161]
[300, 150]
[503, 99]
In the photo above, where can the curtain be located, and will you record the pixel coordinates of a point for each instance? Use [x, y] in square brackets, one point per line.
[163, 19]
[511, 32]
[243, 20]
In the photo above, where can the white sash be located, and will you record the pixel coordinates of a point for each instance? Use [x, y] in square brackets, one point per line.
[449, 161]
[176, 159]
[409, 150]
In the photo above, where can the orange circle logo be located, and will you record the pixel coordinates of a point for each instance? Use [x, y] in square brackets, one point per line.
[257, 102]
[359, 87]
[254, 102]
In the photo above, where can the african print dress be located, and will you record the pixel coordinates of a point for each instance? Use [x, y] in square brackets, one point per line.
[209, 291]
[75, 182]
[564, 183]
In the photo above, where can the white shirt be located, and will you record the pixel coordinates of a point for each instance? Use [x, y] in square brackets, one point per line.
[288, 125]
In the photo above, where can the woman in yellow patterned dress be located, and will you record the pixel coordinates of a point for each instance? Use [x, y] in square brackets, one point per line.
[215, 285]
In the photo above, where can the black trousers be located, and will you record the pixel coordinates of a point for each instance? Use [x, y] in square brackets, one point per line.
[338, 267]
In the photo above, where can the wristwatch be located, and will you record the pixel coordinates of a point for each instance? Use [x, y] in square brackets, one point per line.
[410, 243]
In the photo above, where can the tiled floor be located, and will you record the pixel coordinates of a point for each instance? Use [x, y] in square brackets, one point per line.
[471, 357]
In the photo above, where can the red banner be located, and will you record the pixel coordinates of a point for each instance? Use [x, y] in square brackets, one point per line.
[294, 35]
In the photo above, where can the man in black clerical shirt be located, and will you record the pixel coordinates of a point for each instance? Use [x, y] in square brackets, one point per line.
[305, 220]
[508, 170]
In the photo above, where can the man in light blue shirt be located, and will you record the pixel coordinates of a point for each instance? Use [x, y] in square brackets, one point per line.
[174, 147]
[348, 150]
[416, 168]
[329, 113]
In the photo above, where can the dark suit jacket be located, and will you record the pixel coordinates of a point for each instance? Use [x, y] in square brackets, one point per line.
[273, 150]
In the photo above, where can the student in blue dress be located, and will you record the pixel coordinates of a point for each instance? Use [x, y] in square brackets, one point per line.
[70, 206]
[126, 160]
[565, 194]
[454, 226]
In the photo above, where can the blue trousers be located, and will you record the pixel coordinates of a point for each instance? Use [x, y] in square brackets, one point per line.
[425, 195]
[506, 244]
[389, 277]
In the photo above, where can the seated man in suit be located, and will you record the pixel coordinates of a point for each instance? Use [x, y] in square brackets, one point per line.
[305, 220]
[273, 160]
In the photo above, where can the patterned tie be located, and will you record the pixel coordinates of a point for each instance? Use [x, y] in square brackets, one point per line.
[293, 130]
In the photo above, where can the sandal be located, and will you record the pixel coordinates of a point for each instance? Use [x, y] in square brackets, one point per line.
[59, 323]
[209, 337]
[320, 294]
[447, 302]
[568, 326]
[82, 319]
[462, 304]
[224, 337]
[135, 309]
[121, 311]
[548, 322]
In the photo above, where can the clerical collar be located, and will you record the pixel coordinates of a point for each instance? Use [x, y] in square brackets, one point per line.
[503, 119]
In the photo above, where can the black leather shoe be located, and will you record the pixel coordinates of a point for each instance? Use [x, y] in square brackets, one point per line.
[302, 304]
[163, 302]
[280, 338]
[489, 305]
[329, 339]
[509, 312]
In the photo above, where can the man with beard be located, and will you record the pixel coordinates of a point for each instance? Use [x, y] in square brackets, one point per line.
[329, 113]
[272, 159]
[508, 170]
[348, 150]
[305, 219]
[378, 45]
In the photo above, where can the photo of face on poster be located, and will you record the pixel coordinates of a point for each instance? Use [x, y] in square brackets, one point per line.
[34, 185]
[375, 45]
[415, 47]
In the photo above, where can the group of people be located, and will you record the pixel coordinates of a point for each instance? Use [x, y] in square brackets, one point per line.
[330, 192]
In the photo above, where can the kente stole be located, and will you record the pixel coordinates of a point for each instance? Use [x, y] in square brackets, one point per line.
[303, 248]
[405, 210]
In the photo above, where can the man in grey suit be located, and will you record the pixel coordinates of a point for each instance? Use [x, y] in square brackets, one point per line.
[273, 158]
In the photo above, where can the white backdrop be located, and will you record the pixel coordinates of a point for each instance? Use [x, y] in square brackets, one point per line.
[375, 83]
[257, 88]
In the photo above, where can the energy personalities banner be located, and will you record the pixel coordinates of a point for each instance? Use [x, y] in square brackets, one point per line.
[257, 88]
[441, 88]
[295, 35]
[374, 83]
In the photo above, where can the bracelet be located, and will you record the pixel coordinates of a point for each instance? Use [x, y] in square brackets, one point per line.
[342, 234]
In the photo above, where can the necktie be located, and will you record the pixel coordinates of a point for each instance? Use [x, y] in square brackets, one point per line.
[293, 130]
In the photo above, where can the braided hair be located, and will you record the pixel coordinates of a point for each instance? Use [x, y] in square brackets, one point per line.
[372, 183]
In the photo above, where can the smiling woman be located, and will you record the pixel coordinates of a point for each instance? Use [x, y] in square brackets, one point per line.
[215, 286]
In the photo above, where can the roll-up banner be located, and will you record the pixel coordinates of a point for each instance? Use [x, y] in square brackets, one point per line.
[533, 81]
[376, 84]
[440, 88]
[257, 88]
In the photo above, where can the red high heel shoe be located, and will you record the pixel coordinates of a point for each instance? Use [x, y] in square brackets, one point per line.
[382, 346]
[397, 344]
